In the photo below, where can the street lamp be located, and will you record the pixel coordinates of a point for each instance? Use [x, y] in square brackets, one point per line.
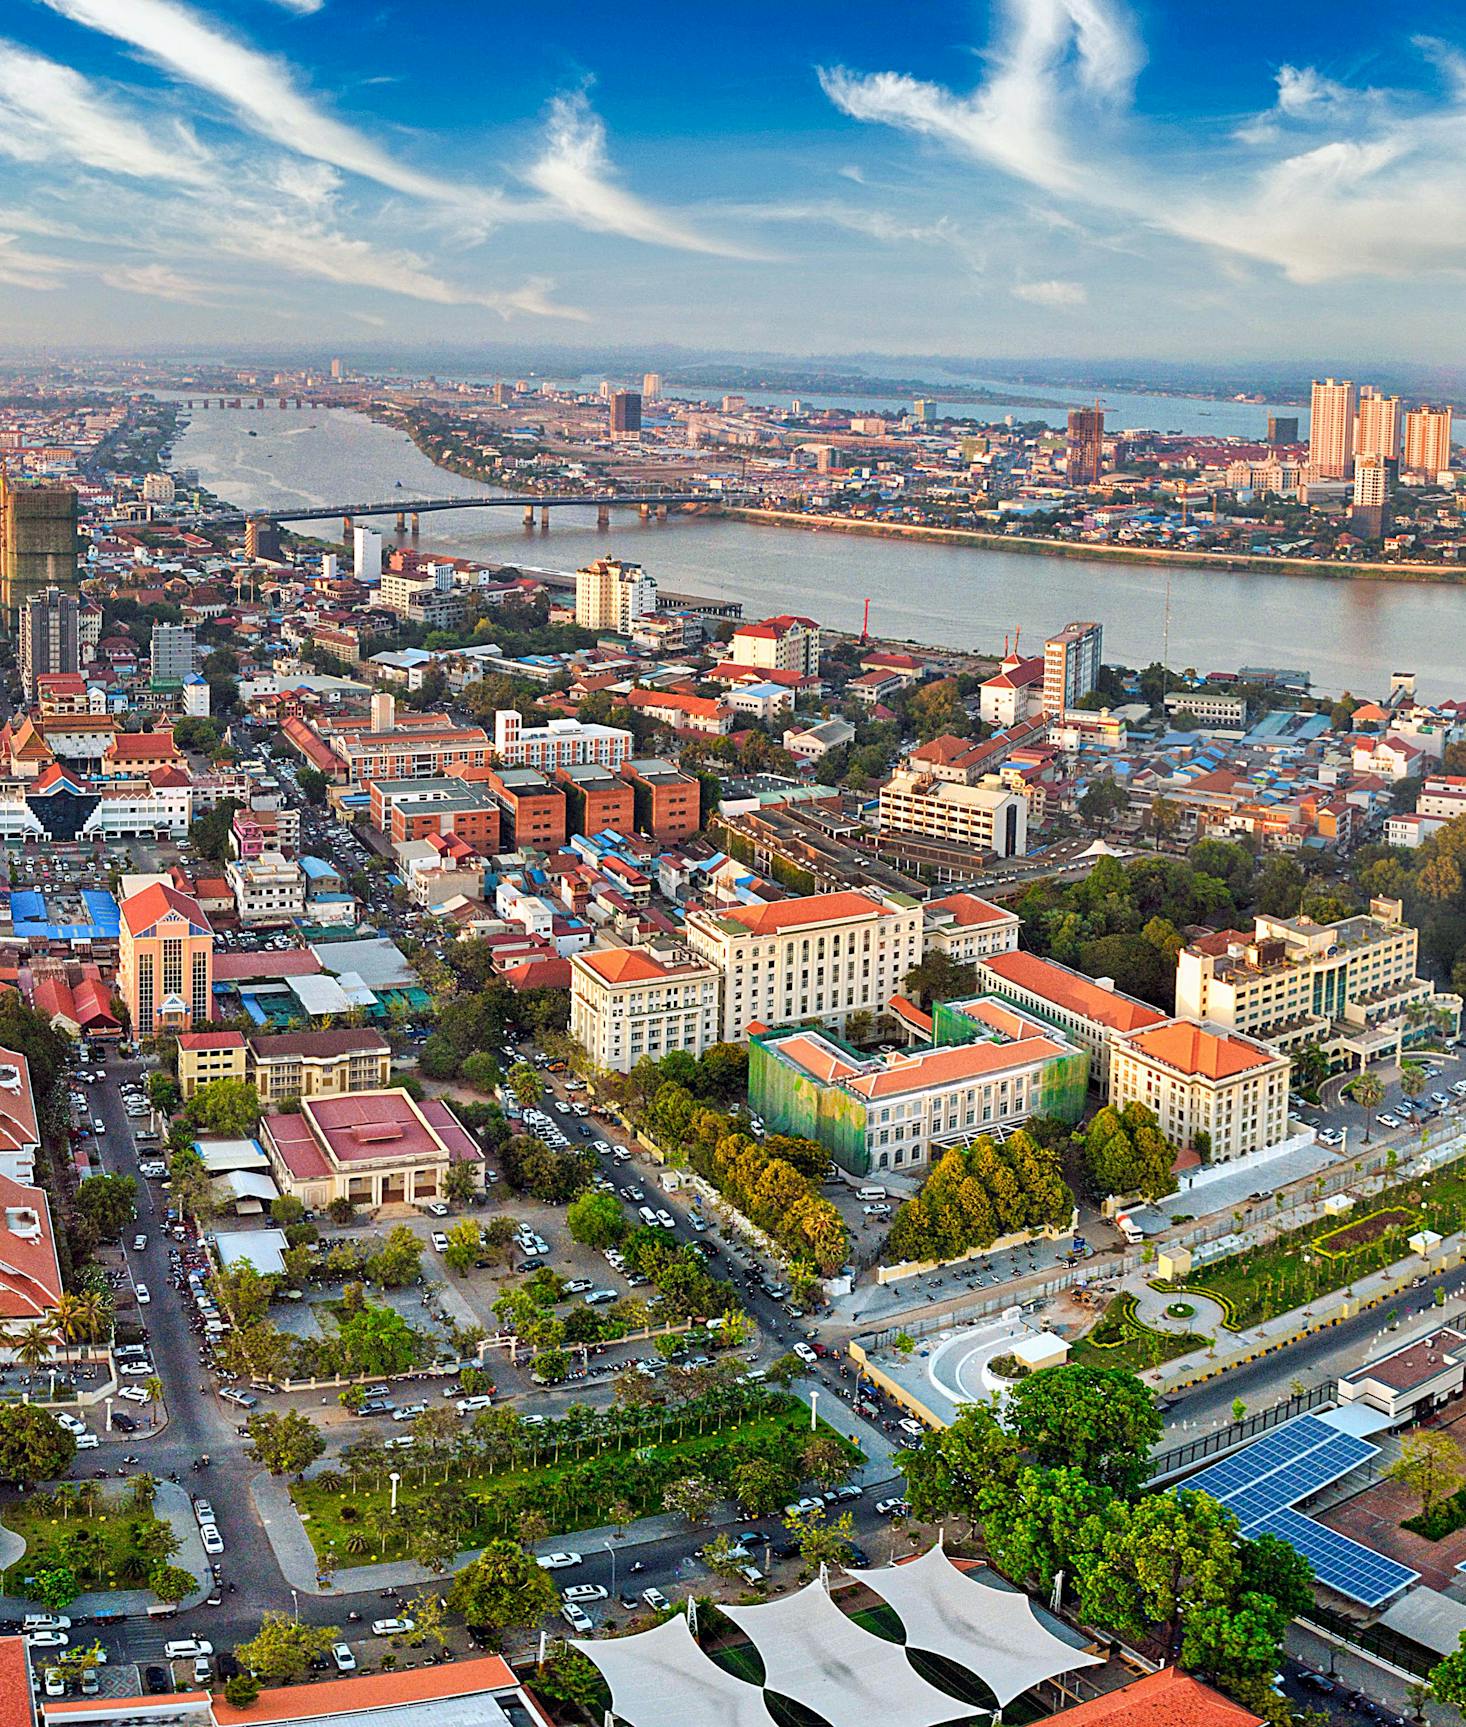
[813, 1400]
[294, 1596]
[612, 1551]
[394, 1478]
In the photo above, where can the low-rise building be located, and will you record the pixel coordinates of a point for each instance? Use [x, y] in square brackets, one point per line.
[668, 802]
[596, 799]
[812, 743]
[375, 1148]
[319, 1063]
[413, 809]
[898, 1111]
[561, 743]
[1210, 1089]
[1089, 1010]
[700, 716]
[532, 810]
[204, 1056]
[630, 1002]
[1209, 708]
[1411, 1382]
[268, 889]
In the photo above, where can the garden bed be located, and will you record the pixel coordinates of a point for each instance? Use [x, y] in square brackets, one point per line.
[1350, 1237]
[107, 1541]
[1121, 1340]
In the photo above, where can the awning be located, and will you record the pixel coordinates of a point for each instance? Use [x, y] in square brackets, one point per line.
[814, 1654]
[992, 1632]
[661, 1678]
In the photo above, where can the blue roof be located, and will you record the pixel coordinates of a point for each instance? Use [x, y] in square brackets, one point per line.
[316, 868]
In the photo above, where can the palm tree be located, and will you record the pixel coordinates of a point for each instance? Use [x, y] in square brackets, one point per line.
[67, 1316]
[34, 1343]
[1368, 1092]
[1412, 1079]
[94, 1315]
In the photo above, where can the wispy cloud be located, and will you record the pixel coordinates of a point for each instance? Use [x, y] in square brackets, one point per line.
[31, 270]
[158, 282]
[261, 90]
[50, 112]
[575, 174]
[303, 7]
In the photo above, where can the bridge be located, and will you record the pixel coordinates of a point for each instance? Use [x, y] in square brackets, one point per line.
[410, 509]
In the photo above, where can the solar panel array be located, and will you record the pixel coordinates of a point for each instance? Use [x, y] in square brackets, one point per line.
[1262, 1483]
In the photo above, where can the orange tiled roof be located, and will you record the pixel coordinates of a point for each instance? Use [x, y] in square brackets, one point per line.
[952, 1065]
[788, 914]
[365, 1691]
[1071, 990]
[153, 902]
[1164, 1699]
[1193, 1049]
[968, 910]
[628, 965]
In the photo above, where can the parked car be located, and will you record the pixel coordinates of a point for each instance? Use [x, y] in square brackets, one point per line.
[440, 1241]
[393, 1627]
[143, 1297]
[655, 1599]
[213, 1541]
[344, 1659]
[187, 1648]
[892, 1508]
[577, 1619]
[135, 1394]
[583, 1592]
[557, 1561]
[408, 1411]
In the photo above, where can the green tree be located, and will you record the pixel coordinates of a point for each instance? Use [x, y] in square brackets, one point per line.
[172, 1583]
[596, 1219]
[34, 1446]
[821, 1540]
[1412, 1079]
[503, 1589]
[465, 1245]
[692, 1497]
[313, 784]
[938, 977]
[288, 1443]
[282, 1650]
[1368, 1092]
[163, 1093]
[55, 1586]
[398, 1260]
[1430, 1466]
[242, 1691]
[1101, 1421]
[526, 1084]
[378, 1340]
[109, 1203]
[229, 1108]
[481, 1071]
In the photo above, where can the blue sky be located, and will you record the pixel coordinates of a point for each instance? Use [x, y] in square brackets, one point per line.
[1028, 177]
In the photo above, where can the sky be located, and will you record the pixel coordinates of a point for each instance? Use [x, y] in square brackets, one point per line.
[1160, 179]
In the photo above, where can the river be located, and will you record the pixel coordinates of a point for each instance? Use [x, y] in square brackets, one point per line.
[1348, 634]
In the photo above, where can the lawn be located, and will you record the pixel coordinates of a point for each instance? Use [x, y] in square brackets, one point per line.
[355, 1526]
[1332, 1253]
[108, 1541]
[1120, 1340]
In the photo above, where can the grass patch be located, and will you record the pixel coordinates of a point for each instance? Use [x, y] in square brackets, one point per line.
[606, 1484]
[1295, 1268]
[107, 1541]
[1121, 1340]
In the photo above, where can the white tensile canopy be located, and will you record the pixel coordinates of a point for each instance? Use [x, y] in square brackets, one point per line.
[814, 1654]
[993, 1632]
[661, 1678]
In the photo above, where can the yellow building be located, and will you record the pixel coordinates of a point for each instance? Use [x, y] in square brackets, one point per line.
[165, 961]
[204, 1056]
[289, 1064]
[634, 1001]
[1202, 1079]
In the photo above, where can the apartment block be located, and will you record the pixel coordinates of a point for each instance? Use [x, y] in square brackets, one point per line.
[319, 1063]
[822, 957]
[989, 816]
[630, 1002]
[414, 809]
[782, 644]
[898, 1112]
[1351, 987]
[532, 809]
[165, 961]
[1072, 661]
[1204, 1080]
[611, 593]
[596, 799]
[1090, 1011]
[668, 802]
[385, 745]
[268, 889]
[701, 716]
[204, 1056]
[563, 743]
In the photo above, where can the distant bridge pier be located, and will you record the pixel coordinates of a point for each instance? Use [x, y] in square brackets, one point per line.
[346, 526]
[402, 521]
[544, 518]
[645, 512]
[529, 515]
[259, 401]
[414, 519]
[661, 512]
[603, 516]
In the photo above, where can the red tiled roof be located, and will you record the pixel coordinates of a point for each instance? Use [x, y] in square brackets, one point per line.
[145, 908]
[144, 746]
[1071, 990]
[968, 910]
[1164, 1699]
[16, 1707]
[242, 967]
[30, 1276]
[1194, 1049]
[813, 908]
[211, 1040]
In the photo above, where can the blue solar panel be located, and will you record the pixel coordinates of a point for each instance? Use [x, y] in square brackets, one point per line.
[1339, 1563]
[1263, 1483]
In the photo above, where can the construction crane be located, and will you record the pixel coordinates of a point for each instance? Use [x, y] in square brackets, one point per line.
[865, 624]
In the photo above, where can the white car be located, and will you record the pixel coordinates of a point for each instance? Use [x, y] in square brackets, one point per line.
[187, 1649]
[139, 1242]
[583, 1592]
[204, 1511]
[213, 1541]
[344, 1659]
[143, 1298]
[472, 1405]
[408, 1411]
[577, 1619]
[655, 1599]
[45, 1622]
[892, 1508]
[436, 1208]
[557, 1561]
[393, 1627]
[87, 1442]
[135, 1369]
[440, 1241]
[666, 1219]
[72, 1423]
[801, 1507]
[47, 1639]
[134, 1394]
[912, 1426]
[805, 1353]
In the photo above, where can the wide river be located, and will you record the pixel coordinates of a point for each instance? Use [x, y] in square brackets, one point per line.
[1348, 634]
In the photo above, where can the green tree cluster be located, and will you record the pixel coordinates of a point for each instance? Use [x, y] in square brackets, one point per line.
[976, 1193]
[1126, 1152]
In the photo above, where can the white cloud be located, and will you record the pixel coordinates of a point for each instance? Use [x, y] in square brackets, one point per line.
[31, 270]
[1052, 293]
[262, 91]
[157, 282]
[303, 7]
[576, 175]
[50, 112]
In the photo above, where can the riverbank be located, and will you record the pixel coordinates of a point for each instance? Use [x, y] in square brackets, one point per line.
[1449, 575]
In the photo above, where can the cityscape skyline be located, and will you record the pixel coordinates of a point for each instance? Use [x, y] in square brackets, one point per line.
[179, 173]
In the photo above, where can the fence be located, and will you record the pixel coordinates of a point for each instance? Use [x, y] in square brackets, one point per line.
[1376, 1640]
[1181, 1457]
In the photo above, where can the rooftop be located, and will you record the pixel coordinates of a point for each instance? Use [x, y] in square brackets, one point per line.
[790, 914]
[1071, 990]
[1414, 1365]
[1201, 1051]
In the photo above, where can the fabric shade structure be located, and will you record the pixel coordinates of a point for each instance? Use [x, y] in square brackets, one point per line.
[992, 1632]
[814, 1654]
[661, 1678]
